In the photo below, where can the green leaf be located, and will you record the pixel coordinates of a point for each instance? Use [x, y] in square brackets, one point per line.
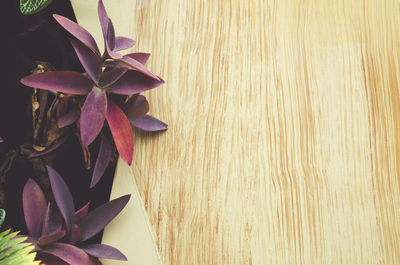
[29, 7]
[2, 216]
[13, 250]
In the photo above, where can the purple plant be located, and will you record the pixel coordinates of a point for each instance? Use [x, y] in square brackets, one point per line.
[110, 73]
[60, 233]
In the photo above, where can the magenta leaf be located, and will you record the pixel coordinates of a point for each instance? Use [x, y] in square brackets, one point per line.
[111, 75]
[121, 131]
[81, 212]
[93, 115]
[90, 61]
[96, 220]
[137, 106]
[102, 161]
[104, 251]
[50, 238]
[1, 140]
[67, 82]
[149, 124]
[141, 57]
[62, 196]
[35, 207]
[135, 65]
[133, 82]
[77, 31]
[53, 220]
[69, 253]
[68, 118]
[123, 43]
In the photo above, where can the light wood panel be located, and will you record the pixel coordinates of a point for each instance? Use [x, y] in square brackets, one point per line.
[283, 144]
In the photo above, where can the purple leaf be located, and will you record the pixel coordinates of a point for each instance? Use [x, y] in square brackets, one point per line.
[111, 75]
[141, 57]
[133, 82]
[69, 253]
[35, 206]
[136, 107]
[48, 259]
[81, 212]
[62, 196]
[93, 115]
[103, 251]
[121, 131]
[135, 65]
[68, 118]
[89, 60]
[52, 221]
[103, 17]
[96, 220]
[77, 31]
[110, 42]
[62, 81]
[102, 161]
[1, 140]
[50, 238]
[123, 43]
[51, 148]
[149, 124]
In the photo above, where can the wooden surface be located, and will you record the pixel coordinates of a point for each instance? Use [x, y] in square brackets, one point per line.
[284, 137]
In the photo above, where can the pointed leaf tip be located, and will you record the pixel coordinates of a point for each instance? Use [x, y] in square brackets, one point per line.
[78, 32]
[62, 196]
[35, 207]
[149, 123]
[102, 161]
[121, 131]
[104, 251]
[96, 220]
[67, 82]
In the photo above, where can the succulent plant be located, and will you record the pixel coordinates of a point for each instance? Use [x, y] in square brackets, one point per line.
[108, 76]
[60, 233]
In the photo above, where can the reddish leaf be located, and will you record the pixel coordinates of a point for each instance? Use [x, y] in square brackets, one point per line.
[104, 251]
[96, 220]
[62, 196]
[35, 207]
[53, 237]
[133, 82]
[136, 107]
[135, 65]
[89, 59]
[62, 81]
[102, 161]
[76, 234]
[69, 253]
[77, 31]
[81, 212]
[93, 115]
[121, 131]
[123, 43]
[141, 57]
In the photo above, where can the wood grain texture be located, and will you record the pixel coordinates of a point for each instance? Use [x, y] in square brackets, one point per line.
[283, 145]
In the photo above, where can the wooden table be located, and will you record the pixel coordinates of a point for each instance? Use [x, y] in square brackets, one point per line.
[284, 137]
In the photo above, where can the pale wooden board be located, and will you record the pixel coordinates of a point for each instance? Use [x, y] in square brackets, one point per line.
[283, 145]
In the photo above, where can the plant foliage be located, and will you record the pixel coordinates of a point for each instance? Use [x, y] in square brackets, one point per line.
[29, 7]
